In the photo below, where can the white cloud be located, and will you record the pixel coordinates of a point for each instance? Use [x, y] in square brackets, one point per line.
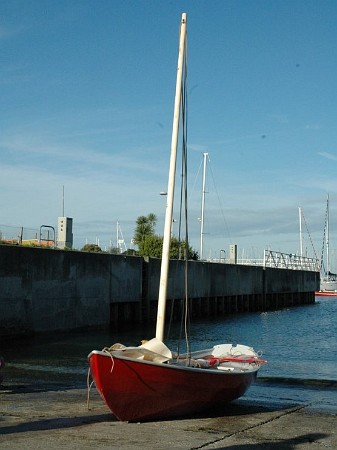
[328, 155]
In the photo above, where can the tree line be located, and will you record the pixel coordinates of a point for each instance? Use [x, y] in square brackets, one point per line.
[149, 243]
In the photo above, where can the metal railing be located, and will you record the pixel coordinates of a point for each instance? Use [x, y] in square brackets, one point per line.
[289, 261]
[27, 236]
[277, 260]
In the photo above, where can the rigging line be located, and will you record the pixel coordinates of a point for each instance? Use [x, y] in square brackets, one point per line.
[173, 303]
[179, 225]
[184, 136]
[218, 197]
[196, 177]
[183, 244]
[184, 162]
[306, 226]
[181, 330]
[178, 256]
[324, 234]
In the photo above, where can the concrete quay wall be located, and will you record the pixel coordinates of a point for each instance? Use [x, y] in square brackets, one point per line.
[54, 290]
[218, 288]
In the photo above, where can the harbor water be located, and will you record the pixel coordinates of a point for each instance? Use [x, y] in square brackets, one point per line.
[299, 344]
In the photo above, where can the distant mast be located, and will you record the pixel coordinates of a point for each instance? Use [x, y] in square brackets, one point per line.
[301, 239]
[203, 192]
[120, 242]
[327, 235]
[63, 201]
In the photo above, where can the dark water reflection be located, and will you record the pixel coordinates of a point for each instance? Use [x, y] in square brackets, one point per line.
[299, 343]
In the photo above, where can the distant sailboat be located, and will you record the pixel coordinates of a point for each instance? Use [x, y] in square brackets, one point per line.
[328, 283]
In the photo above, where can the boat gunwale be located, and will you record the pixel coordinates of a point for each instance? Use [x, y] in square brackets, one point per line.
[253, 367]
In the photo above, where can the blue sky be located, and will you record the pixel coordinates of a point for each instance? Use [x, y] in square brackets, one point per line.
[87, 92]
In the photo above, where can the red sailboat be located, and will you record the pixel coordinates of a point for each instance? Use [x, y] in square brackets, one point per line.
[150, 382]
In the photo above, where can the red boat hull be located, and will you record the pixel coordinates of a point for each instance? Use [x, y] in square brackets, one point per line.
[137, 390]
[325, 294]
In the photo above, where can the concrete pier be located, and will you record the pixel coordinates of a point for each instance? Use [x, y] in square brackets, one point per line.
[55, 290]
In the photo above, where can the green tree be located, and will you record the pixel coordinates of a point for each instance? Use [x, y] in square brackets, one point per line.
[153, 246]
[177, 250]
[93, 248]
[145, 226]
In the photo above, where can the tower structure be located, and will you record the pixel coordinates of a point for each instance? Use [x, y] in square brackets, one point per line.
[65, 232]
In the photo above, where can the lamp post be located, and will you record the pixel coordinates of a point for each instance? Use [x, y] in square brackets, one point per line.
[163, 193]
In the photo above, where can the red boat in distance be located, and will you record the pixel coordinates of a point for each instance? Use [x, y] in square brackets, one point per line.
[325, 294]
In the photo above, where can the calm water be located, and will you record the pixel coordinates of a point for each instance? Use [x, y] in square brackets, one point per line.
[299, 343]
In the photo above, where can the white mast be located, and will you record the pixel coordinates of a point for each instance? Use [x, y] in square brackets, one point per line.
[117, 238]
[170, 189]
[203, 207]
[63, 201]
[120, 242]
[327, 236]
[301, 239]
